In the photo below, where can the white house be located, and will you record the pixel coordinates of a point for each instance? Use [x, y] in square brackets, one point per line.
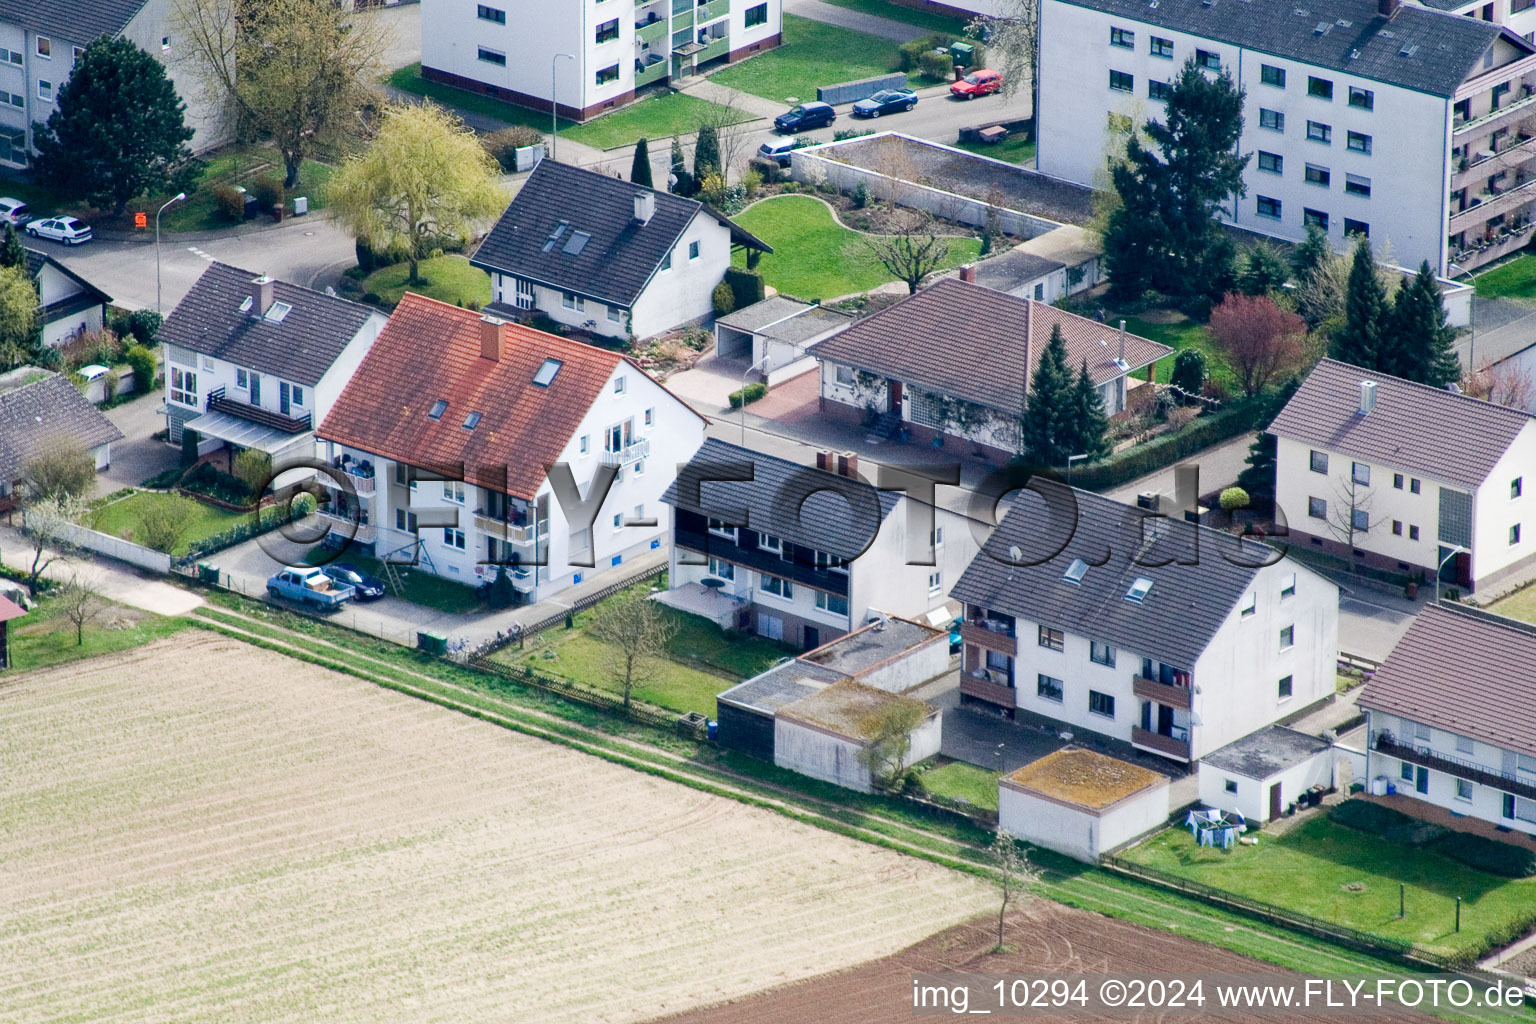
[1405, 477]
[608, 51]
[468, 443]
[1404, 123]
[45, 412]
[1451, 716]
[252, 362]
[916, 363]
[39, 43]
[1172, 637]
[1081, 803]
[605, 255]
[67, 304]
[803, 554]
[1266, 772]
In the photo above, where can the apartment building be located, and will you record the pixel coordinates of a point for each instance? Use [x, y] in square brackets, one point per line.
[1519, 16]
[468, 443]
[1474, 755]
[1410, 125]
[586, 56]
[1178, 639]
[1405, 477]
[803, 554]
[40, 42]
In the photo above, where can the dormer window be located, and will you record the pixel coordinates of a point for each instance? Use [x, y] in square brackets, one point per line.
[438, 408]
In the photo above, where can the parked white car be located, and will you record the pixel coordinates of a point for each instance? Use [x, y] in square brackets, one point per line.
[13, 211]
[61, 229]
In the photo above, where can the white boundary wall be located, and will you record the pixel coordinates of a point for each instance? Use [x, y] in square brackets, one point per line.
[114, 547]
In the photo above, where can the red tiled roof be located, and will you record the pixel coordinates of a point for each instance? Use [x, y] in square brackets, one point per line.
[966, 341]
[430, 351]
[10, 609]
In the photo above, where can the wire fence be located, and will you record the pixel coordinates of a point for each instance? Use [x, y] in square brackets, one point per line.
[606, 700]
[523, 631]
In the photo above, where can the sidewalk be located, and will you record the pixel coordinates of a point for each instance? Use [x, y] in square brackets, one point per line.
[113, 580]
[872, 24]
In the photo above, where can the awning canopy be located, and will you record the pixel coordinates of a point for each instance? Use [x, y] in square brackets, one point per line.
[243, 433]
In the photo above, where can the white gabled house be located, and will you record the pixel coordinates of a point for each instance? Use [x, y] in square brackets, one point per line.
[67, 304]
[605, 255]
[455, 436]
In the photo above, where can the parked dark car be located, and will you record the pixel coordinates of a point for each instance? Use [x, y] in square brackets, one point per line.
[369, 588]
[886, 101]
[805, 117]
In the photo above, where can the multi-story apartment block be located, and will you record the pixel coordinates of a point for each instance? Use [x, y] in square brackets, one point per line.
[1405, 477]
[586, 56]
[1170, 636]
[1519, 16]
[470, 443]
[39, 43]
[803, 554]
[252, 362]
[1451, 716]
[1412, 126]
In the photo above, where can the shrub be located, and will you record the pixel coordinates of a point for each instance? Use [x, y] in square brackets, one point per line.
[712, 189]
[502, 594]
[1181, 416]
[936, 67]
[142, 324]
[372, 298]
[503, 145]
[100, 347]
[253, 468]
[747, 286]
[163, 479]
[268, 191]
[1488, 855]
[162, 523]
[302, 505]
[767, 170]
[208, 479]
[909, 53]
[724, 299]
[752, 391]
[861, 195]
[110, 383]
[1391, 825]
[1189, 370]
[1234, 498]
[230, 201]
[844, 134]
[188, 447]
[144, 365]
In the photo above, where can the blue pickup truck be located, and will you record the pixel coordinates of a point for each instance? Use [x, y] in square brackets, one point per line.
[312, 587]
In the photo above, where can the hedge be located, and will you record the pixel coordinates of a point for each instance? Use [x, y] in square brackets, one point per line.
[1488, 855]
[1394, 826]
[746, 285]
[753, 391]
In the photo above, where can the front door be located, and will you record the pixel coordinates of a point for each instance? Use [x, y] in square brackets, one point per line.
[895, 390]
[1421, 780]
[284, 398]
[812, 638]
[1274, 801]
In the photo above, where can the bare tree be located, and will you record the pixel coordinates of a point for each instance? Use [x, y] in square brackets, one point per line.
[898, 171]
[1014, 874]
[81, 604]
[888, 734]
[48, 522]
[730, 137]
[638, 631]
[1013, 45]
[1260, 339]
[1350, 512]
[912, 252]
[1504, 383]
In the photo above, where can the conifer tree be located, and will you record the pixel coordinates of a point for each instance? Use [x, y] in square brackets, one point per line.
[1090, 422]
[1360, 341]
[640, 170]
[12, 252]
[1049, 427]
[1420, 341]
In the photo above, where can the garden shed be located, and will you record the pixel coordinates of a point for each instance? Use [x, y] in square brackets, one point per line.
[1265, 772]
[822, 735]
[891, 654]
[745, 712]
[1081, 803]
[8, 610]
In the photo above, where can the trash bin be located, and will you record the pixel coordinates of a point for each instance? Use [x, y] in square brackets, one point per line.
[207, 573]
[432, 643]
[300, 205]
[962, 54]
[714, 727]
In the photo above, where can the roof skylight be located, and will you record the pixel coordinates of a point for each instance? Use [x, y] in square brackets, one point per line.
[472, 421]
[438, 408]
[554, 236]
[547, 372]
[1139, 589]
[577, 242]
[1076, 571]
[277, 311]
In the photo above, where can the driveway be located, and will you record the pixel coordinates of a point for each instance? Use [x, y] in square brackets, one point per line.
[138, 456]
[402, 26]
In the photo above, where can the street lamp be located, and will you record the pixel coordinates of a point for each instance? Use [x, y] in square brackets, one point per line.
[1456, 549]
[1471, 319]
[1071, 459]
[554, 108]
[178, 197]
[743, 392]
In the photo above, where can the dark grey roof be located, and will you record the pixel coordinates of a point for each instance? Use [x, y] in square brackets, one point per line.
[813, 323]
[1448, 437]
[801, 504]
[36, 261]
[1014, 269]
[783, 684]
[1443, 49]
[1174, 622]
[760, 314]
[1463, 670]
[300, 348]
[78, 21]
[36, 414]
[620, 256]
[1262, 754]
[872, 644]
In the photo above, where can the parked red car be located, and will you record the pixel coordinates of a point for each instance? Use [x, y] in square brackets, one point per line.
[977, 83]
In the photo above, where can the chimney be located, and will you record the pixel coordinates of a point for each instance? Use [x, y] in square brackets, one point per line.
[491, 331]
[848, 464]
[968, 273]
[1387, 8]
[1367, 396]
[645, 207]
[261, 295]
[1122, 343]
[824, 461]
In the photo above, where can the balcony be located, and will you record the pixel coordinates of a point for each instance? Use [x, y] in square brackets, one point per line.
[983, 689]
[362, 485]
[512, 532]
[1158, 743]
[1485, 162]
[1525, 106]
[1164, 694]
[715, 48]
[712, 10]
[988, 639]
[1451, 765]
[683, 9]
[1486, 251]
[649, 32]
[219, 402]
[1491, 205]
[636, 450]
[361, 532]
[653, 71]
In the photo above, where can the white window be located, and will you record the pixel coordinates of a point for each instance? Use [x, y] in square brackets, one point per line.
[298, 395]
[639, 467]
[618, 520]
[1250, 604]
[768, 542]
[936, 537]
[650, 417]
[831, 603]
[583, 444]
[770, 626]
[1288, 585]
[576, 302]
[183, 386]
[1463, 790]
[45, 47]
[615, 314]
[722, 570]
[1287, 637]
[618, 385]
[454, 539]
[242, 379]
[45, 90]
[719, 528]
[693, 250]
[844, 375]
[1103, 654]
[935, 583]
[1464, 745]
[453, 490]
[776, 585]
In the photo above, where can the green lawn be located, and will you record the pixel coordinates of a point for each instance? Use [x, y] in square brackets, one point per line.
[449, 278]
[814, 53]
[44, 637]
[654, 117]
[927, 20]
[1513, 280]
[1519, 605]
[703, 661]
[814, 257]
[121, 519]
[408, 79]
[1016, 149]
[1181, 334]
[960, 781]
[418, 586]
[1307, 871]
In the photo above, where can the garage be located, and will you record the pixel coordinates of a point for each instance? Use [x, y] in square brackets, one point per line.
[1266, 772]
[1081, 803]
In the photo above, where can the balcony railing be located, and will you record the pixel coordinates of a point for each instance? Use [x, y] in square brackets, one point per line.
[714, 49]
[1494, 205]
[1165, 745]
[1452, 765]
[655, 71]
[982, 689]
[1483, 162]
[219, 402]
[361, 532]
[514, 533]
[1522, 107]
[992, 624]
[363, 485]
[1487, 251]
[1163, 693]
[707, 12]
[650, 31]
[682, 8]
[988, 639]
[632, 452]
